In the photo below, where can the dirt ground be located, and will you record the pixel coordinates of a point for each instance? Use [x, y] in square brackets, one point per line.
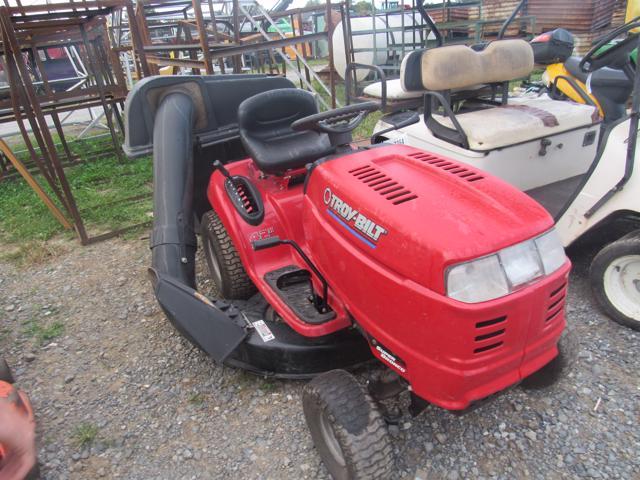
[119, 394]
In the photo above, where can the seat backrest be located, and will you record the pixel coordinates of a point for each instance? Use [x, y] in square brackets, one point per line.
[458, 66]
[265, 130]
[270, 114]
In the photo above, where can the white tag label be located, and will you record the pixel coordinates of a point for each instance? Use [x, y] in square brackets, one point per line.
[263, 331]
[399, 140]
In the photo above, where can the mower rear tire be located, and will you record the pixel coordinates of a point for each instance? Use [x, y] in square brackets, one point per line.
[225, 267]
[556, 368]
[615, 280]
[5, 372]
[347, 428]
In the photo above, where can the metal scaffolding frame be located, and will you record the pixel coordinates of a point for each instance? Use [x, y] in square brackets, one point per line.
[81, 29]
[218, 36]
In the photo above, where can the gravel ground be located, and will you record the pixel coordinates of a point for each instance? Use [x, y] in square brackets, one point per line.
[119, 394]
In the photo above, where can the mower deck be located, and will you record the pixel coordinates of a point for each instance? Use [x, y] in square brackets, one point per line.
[273, 349]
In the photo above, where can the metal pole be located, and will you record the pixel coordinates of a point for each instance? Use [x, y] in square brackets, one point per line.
[136, 40]
[332, 79]
[35, 186]
[97, 75]
[13, 45]
[237, 61]
[202, 34]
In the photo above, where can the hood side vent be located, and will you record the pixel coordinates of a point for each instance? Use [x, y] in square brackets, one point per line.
[383, 184]
[465, 173]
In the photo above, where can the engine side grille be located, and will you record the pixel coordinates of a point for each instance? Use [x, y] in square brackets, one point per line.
[383, 184]
[465, 173]
[556, 303]
[489, 335]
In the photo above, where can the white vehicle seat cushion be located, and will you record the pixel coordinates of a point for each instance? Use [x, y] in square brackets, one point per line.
[394, 91]
[521, 121]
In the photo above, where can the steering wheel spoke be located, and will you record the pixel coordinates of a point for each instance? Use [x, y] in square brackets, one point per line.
[339, 121]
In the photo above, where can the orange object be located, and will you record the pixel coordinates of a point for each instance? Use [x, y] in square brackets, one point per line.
[20, 401]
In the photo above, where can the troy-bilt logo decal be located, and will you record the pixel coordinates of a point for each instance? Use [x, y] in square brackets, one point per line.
[353, 219]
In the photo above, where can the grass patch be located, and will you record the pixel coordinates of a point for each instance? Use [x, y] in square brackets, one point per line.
[4, 333]
[30, 252]
[84, 435]
[100, 187]
[267, 386]
[365, 129]
[43, 333]
[196, 399]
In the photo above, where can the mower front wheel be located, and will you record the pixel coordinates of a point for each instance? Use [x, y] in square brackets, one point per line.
[347, 428]
[225, 268]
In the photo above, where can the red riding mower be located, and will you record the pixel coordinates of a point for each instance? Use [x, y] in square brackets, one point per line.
[327, 256]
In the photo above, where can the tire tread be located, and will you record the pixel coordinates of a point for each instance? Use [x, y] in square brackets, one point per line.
[349, 407]
[628, 245]
[236, 282]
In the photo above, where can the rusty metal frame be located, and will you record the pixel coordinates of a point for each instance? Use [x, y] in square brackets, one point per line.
[83, 26]
[213, 45]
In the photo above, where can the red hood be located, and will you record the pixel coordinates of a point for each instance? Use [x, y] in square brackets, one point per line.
[415, 213]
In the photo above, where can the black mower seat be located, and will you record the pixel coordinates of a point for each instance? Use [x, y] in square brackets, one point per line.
[604, 77]
[265, 130]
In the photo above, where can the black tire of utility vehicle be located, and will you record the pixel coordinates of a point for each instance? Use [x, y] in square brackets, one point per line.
[5, 372]
[225, 267]
[556, 368]
[628, 246]
[347, 428]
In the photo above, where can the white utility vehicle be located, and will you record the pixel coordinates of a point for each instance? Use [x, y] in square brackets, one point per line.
[559, 152]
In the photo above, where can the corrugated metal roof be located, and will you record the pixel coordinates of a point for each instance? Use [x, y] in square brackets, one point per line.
[619, 12]
[499, 10]
[574, 15]
[453, 14]
[584, 41]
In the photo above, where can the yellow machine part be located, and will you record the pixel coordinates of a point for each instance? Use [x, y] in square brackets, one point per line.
[558, 69]
[633, 11]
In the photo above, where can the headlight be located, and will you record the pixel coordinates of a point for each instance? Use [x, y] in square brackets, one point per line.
[502, 273]
[551, 251]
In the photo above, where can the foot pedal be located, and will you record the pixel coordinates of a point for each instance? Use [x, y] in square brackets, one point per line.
[293, 286]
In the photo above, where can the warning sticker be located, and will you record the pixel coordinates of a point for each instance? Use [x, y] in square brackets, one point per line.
[263, 331]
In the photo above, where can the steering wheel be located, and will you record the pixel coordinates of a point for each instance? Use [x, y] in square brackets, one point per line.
[615, 57]
[338, 121]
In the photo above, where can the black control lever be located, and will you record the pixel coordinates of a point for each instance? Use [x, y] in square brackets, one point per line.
[265, 243]
[321, 304]
[217, 165]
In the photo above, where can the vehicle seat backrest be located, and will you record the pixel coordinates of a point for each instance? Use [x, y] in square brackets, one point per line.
[265, 130]
[459, 67]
